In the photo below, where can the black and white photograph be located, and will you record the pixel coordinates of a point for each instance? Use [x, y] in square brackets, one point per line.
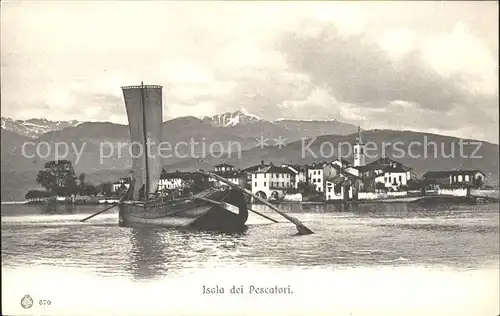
[250, 158]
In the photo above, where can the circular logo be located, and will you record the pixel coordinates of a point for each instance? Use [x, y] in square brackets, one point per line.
[27, 302]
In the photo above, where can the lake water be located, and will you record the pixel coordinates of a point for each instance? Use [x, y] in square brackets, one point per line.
[392, 259]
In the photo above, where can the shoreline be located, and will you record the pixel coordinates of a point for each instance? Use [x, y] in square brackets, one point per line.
[409, 200]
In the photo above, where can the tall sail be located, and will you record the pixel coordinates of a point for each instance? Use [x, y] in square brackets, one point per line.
[145, 113]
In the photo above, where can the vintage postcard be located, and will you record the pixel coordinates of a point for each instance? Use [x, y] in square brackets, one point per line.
[250, 158]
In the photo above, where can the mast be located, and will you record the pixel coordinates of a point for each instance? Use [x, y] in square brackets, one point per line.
[146, 188]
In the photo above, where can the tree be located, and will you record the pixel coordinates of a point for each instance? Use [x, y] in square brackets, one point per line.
[36, 194]
[81, 179]
[58, 177]
[380, 186]
[90, 189]
[106, 188]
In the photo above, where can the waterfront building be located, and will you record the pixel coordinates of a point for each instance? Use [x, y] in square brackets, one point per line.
[272, 181]
[455, 178]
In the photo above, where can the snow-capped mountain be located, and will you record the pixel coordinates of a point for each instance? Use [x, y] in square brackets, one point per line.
[231, 119]
[242, 117]
[35, 127]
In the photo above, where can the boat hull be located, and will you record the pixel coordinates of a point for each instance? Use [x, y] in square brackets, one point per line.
[194, 213]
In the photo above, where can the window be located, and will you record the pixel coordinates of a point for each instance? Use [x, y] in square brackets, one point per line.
[466, 177]
[400, 179]
[385, 179]
[355, 150]
[460, 178]
[264, 183]
[255, 183]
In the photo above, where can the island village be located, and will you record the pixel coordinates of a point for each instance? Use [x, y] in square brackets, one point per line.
[334, 181]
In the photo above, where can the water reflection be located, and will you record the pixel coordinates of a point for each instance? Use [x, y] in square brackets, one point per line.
[51, 208]
[362, 235]
[394, 209]
[155, 253]
[148, 258]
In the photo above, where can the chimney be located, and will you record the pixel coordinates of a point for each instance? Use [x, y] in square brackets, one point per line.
[262, 162]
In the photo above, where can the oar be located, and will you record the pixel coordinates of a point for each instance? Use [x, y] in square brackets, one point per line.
[106, 209]
[301, 228]
[265, 216]
[225, 205]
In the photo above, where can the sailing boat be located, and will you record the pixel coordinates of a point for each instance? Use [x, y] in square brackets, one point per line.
[221, 209]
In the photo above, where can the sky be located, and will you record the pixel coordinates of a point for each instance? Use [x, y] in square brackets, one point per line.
[424, 66]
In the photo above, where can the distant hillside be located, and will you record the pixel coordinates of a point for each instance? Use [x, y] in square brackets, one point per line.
[19, 172]
[91, 135]
[433, 160]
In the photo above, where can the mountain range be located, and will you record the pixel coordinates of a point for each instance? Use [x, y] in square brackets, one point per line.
[231, 122]
[18, 171]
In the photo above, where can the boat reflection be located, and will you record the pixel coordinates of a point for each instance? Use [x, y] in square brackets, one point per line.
[148, 259]
[157, 252]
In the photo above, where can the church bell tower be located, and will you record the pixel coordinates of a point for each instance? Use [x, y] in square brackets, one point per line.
[359, 151]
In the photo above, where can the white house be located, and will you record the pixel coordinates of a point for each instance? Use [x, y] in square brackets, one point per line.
[393, 177]
[122, 183]
[272, 181]
[392, 174]
[457, 178]
[317, 173]
[232, 176]
[171, 181]
[224, 167]
[248, 172]
[338, 188]
[341, 187]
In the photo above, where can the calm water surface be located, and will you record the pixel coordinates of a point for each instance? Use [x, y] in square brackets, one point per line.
[390, 259]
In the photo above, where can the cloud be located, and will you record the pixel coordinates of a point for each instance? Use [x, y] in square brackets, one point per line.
[357, 70]
[450, 88]
[420, 65]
